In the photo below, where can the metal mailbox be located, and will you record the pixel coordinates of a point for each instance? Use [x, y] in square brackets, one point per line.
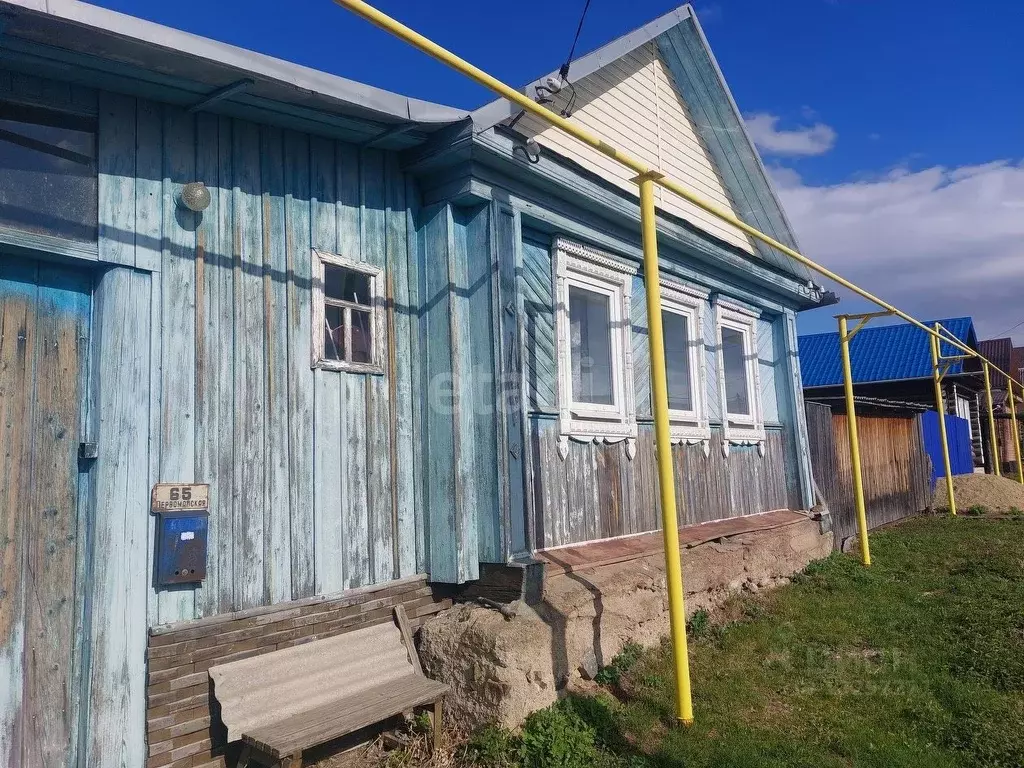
[183, 519]
[181, 554]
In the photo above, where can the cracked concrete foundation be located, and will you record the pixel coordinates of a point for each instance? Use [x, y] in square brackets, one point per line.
[502, 668]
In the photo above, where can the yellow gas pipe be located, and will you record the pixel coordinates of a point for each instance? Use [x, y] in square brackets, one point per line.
[851, 428]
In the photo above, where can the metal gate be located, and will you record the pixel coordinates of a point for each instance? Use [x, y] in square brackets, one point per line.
[961, 455]
[44, 342]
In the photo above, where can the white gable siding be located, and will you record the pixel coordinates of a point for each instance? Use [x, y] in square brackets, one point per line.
[633, 103]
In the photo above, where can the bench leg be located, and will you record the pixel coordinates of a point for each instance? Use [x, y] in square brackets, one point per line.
[295, 761]
[245, 756]
[438, 724]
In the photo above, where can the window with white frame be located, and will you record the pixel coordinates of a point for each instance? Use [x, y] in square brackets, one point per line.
[348, 314]
[738, 377]
[595, 361]
[681, 319]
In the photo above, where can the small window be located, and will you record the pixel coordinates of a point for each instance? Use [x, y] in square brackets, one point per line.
[348, 324]
[738, 374]
[594, 348]
[681, 325]
[48, 179]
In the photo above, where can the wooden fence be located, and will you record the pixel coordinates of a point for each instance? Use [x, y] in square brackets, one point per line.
[895, 467]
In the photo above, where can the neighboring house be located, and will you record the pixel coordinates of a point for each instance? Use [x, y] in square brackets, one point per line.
[892, 371]
[399, 341]
[1004, 356]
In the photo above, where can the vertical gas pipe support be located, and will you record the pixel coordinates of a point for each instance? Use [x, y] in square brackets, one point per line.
[940, 406]
[851, 428]
[1016, 432]
[991, 422]
[666, 482]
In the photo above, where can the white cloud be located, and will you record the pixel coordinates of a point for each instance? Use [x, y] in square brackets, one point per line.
[816, 139]
[938, 242]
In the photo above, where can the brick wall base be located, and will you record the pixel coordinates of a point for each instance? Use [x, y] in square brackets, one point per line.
[183, 724]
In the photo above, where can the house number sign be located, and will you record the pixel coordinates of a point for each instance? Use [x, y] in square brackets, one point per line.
[174, 497]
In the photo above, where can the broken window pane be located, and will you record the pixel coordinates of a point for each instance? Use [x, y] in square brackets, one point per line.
[343, 284]
[362, 337]
[334, 334]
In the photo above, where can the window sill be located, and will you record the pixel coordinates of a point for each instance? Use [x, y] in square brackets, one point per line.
[39, 245]
[339, 367]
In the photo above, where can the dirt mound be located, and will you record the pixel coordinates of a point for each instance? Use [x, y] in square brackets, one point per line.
[995, 494]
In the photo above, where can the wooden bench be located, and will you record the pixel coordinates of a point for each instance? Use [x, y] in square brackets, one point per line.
[282, 703]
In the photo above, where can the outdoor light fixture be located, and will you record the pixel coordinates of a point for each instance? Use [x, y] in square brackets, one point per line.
[194, 196]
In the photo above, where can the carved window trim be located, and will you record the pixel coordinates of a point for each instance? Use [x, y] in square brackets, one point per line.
[576, 264]
[690, 426]
[740, 429]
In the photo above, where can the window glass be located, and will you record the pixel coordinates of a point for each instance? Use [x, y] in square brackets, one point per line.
[737, 395]
[590, 341]
[343, 284]
[677, 360]
[334, 333]
[352, 313]
[48, 173]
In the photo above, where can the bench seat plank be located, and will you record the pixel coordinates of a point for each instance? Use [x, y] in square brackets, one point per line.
[330, 721]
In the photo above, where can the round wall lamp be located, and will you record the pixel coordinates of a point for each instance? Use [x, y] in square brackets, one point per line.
[195, 196]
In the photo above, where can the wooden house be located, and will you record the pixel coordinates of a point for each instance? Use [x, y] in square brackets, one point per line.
[892, 375]
[398, 342]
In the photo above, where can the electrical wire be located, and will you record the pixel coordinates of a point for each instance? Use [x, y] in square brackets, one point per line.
[1012, 328]
[564, 70]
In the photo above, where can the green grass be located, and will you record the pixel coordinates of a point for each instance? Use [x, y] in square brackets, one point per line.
[916, 661]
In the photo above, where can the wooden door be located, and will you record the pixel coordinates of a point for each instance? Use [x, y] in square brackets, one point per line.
[44, 339]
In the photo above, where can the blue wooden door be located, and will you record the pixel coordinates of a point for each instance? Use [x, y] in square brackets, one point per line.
[44, 340]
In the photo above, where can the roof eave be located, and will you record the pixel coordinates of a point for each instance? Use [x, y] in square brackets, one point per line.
[121, 38]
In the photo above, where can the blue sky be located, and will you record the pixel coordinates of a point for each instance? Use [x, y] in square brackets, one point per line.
[892, 129]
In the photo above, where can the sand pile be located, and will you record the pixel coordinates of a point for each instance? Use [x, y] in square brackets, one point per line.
[996, 494]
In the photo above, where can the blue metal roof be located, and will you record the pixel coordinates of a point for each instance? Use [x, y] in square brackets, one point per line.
[882, 353]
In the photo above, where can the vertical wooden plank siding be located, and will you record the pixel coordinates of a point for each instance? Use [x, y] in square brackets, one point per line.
[178, 329]
[404, 327]
[354, 469]
[452, 476]
[61, 332]
[476, 414]
[118, 588]
[597, 492]
[897, 471]
[314, 474]
[329, 486]
[378, 462]
[116, 175]
[417, 349]
[17, 368]
[276, 524]
[250, 372]
[508, 308]
[301, 391]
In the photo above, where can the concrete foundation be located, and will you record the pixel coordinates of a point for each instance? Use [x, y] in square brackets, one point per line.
[501, 668]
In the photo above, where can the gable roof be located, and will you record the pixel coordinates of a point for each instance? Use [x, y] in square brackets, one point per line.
[112, 50]
[683, 50]
[883, 353]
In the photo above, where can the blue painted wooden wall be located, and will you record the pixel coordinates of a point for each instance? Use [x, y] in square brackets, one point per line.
[314, 486]
[597, 492]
